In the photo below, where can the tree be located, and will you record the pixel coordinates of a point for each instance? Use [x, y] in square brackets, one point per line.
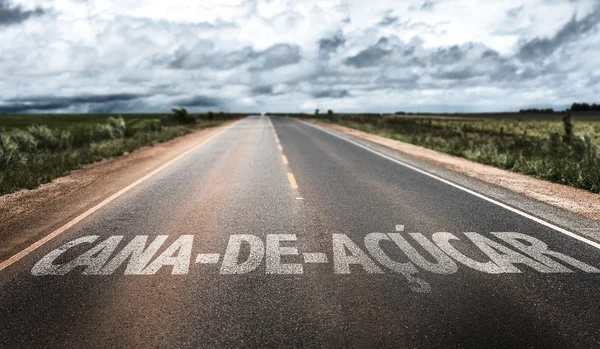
[585, 107]
[317, 112]
[330, 112]
[181, 116]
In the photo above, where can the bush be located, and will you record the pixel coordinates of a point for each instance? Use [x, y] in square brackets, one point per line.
[114, 129]
[44, 136]
[10, 155]
[118, 126]
[25, 140]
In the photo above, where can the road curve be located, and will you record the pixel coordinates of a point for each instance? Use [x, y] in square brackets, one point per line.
[277, 234]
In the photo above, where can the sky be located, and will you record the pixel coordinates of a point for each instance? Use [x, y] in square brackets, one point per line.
[111, 56]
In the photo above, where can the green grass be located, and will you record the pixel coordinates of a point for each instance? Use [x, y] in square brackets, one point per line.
[35, 149]
[536, 148]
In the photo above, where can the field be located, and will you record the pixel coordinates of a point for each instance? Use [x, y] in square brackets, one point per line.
[548, 148]
[35, 149]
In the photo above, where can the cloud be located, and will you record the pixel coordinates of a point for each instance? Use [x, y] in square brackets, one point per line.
[276, 56]
[370, 56]
[428, 5]
[388, 20]
[280, 55]
[262, 90]
[331, 93]
[52, 103]
[329, 45]
[14, 14]
[203, 55]
[540, 48]
[198, 101]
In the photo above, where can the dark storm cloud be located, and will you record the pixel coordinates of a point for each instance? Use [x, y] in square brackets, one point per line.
[328, 46]
[16, 14]
[198, 101]
[331, 93]
[48, 103]
[572, 31]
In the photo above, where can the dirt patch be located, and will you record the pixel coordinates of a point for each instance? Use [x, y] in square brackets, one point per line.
[575, 200]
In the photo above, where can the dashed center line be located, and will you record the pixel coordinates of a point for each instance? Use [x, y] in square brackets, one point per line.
[292, 181]
[291, 177]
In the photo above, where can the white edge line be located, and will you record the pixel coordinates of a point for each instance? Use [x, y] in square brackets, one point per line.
[13, 259]
[481, 196]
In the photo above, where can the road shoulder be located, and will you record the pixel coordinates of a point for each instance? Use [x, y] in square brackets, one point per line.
[574, 209]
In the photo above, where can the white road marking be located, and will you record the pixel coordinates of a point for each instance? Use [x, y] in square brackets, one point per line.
[106, 201]
[231, 265]
[178, 255]
[275, 251]
[208, 258]
[343, 260]
[315, 257]
[407, 269]
[481, 196]
[399, 227]
[437, 262]
[440, 254]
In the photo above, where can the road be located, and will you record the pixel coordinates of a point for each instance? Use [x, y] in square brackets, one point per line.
[277, 234]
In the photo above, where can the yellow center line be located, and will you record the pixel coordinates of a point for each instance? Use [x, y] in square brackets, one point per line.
[292, 181]
[291, 177]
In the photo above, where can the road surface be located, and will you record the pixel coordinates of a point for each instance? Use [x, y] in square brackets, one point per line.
[277, 234]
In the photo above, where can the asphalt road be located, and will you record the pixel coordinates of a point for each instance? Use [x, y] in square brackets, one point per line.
[277, 234]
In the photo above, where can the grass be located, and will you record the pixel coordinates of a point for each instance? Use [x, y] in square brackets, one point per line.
[542, 148]
[35, 149]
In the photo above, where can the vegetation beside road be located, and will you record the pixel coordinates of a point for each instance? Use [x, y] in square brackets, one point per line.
[566, 152]
[35, 149]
